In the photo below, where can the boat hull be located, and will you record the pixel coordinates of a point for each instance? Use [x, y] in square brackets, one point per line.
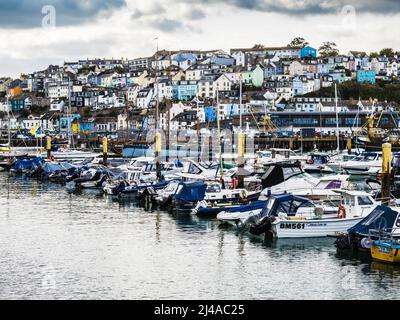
[312, 228]
[385, 252]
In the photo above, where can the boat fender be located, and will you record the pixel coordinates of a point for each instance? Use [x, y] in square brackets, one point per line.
[234, 183]
[366, 243]
[341, 212]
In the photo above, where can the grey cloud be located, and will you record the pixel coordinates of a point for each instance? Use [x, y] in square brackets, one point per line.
[165, 24]
[308, 7]
[156, 9]
[28, 13]
[196, 14]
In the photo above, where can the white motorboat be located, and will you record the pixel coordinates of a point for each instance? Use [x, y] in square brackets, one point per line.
[317, 162]
[290, 216]
[365, 164]
[275, 155]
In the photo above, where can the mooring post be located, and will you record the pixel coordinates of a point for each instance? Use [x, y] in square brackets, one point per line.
[158, 154]
[105, 151]
[241, 152]
[386, 172]
[48, 147]
[349, 145]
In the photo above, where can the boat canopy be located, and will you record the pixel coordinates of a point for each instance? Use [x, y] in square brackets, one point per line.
[284, 203]
[279, 173]
[382, 217]
[52, 167]
[191, 191]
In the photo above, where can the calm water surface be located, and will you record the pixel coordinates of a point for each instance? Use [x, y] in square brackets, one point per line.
[56, 245]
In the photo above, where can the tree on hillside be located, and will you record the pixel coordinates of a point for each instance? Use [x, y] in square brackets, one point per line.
[298, 42]
[328, 49]
[374, 55]
[388, 52]
[258, 46]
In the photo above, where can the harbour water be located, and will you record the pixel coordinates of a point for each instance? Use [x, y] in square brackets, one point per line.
[56, 245]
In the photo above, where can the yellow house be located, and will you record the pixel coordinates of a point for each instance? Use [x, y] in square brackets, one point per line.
[75, 127]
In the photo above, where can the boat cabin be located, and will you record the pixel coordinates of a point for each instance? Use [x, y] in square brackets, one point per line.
[357, 203]
[318, 158]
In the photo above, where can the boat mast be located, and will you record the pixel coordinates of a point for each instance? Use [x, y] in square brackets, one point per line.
[69, 116]
[156, 125]
[198, 131]
[337, 122]
[240, 101]
[9, 122]
[221, 166]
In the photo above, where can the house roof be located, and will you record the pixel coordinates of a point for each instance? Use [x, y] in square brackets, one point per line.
[265, 49]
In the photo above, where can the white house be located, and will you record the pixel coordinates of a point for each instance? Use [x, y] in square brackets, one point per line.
[175, 109]
[144, 98]
[57, 105]
[31, 122]
[132, 93]
[163, 90]
[222, 83]
[58, 90]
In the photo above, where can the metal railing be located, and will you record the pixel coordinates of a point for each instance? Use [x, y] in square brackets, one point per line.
[385, 234]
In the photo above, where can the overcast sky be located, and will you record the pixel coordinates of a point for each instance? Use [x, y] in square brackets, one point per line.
[126, 28]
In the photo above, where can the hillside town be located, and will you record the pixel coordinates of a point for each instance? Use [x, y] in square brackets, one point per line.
[181, 88]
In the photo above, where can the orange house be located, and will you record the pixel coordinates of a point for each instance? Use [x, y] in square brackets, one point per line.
[15, 91]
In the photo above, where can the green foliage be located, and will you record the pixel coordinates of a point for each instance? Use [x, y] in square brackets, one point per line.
[388, 52]
[38, 110]
[328, 49]
[258, 46]
[298, 42]
[374, 55]
[348, 90]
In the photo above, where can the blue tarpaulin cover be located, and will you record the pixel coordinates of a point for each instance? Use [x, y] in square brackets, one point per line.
[27, 164]
[191, 191]
[380, 218]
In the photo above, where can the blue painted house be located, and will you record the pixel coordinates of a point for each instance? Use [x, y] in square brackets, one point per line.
[185, 56]
[308, 52]
[17, 104]
[297, 86]
[86, 126]
[366, 76]
[210, 114]
[184, 90]
[222, 60]
[66, 121]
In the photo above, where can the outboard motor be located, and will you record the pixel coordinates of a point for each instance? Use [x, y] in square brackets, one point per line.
[342, 242]
[264, 226]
